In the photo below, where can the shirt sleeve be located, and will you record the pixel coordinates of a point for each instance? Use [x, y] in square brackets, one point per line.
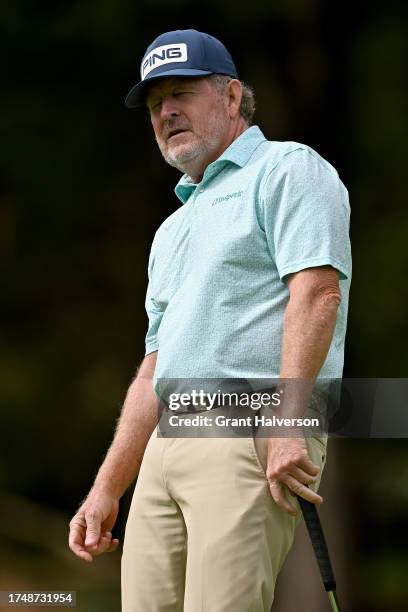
[153, 310]
[306, 214]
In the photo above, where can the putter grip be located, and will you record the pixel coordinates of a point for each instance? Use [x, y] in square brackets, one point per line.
[318, 542]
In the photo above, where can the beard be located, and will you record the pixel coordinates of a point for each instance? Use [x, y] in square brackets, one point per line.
[193, 150]
[177, 155]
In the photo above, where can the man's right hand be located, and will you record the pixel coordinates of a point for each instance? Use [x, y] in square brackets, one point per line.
[89, 530]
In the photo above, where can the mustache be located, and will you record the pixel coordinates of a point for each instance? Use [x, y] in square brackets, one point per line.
[173, 126]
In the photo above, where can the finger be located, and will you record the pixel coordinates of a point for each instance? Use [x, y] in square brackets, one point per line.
[76, 535]
[306, 464]
[114, 545]
[93, 531]
[86, 556]
[302, 490]
[279, 498]
[102, 545]
[106, 544]
[301, 475]
[76, 544]
[81, 553]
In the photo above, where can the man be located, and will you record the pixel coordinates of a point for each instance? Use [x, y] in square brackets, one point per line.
[248, 279]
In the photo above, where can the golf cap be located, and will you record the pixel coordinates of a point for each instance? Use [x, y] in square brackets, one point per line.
[186, 53]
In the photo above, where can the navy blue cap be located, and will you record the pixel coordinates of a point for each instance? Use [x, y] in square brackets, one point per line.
[187, 53]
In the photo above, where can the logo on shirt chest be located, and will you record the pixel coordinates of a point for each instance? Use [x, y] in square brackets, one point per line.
[235, 194]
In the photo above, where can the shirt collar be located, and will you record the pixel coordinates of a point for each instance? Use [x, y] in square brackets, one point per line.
[238, 153]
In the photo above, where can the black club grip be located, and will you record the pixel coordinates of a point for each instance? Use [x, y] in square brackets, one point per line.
[316, 534]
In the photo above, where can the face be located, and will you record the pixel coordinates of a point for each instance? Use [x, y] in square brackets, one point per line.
[190, 120]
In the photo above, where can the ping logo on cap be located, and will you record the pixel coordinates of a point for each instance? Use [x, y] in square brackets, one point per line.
[166, 54]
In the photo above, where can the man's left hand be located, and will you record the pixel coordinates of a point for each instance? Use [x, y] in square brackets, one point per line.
[289, 466]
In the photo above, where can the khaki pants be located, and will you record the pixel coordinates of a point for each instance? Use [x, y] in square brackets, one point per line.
[203, 532]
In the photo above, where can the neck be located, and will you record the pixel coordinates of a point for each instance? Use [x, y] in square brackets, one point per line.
[196, 171]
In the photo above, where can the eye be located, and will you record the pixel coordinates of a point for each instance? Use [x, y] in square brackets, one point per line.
[155, 105]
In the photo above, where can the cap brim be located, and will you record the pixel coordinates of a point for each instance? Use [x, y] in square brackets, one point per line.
[137, 95]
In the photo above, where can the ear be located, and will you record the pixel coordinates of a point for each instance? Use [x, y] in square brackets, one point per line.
[234, 97]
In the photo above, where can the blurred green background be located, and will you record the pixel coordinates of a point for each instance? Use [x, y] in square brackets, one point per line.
[83, 188]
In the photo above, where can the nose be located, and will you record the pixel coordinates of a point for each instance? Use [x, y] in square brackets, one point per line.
[168, 109]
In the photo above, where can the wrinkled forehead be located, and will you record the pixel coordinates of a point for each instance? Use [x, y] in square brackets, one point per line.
[166, 84]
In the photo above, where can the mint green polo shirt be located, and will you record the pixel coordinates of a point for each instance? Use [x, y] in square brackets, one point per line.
[217, 288]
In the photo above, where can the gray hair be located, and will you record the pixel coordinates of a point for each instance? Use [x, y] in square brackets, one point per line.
[247, 106]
